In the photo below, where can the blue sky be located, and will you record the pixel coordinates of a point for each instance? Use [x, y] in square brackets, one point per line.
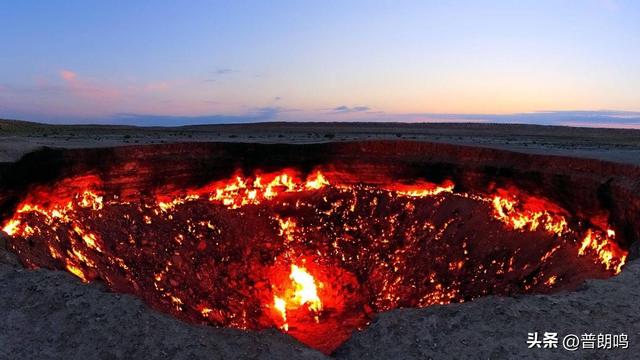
[169, 62]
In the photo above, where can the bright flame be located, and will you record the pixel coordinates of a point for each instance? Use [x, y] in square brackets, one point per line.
[525, 219]
[424, 189]
[317, 183]
[76, 271]
[280, 305]
[11, 227]
[91, 200]
[249, 191]
[304, 292]
[606, 249]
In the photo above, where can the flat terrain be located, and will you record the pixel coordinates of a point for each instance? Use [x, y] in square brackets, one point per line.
[619, 145]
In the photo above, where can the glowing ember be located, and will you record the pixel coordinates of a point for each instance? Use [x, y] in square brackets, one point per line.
[313, 256]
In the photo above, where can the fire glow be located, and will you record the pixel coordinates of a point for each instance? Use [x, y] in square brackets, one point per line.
[311, 255]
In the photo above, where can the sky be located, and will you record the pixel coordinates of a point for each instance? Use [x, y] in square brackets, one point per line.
[189, 62]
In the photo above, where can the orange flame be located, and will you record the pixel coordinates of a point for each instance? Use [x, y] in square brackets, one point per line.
[303, 292]
[248, 191]
[605, 249]
[506, 211]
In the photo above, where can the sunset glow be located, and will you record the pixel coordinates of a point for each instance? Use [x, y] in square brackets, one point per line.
[541, 62]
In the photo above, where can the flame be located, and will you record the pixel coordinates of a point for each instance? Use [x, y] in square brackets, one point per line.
[75, 270]
[306, 291]
[89, 239]
[11, 227]
[89, 199]
[316, 183]
[506, 210]
[527, 215]
[602, 245]
[423, 189]
[551, 280]
[303, 291]
[281, 306]
[247, 191]
[287, 228]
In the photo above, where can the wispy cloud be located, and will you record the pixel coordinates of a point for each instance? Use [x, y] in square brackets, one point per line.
[218, 74]
[347, 109]
[69, 93]
[224, 71]
[88, 88]
[68, 75]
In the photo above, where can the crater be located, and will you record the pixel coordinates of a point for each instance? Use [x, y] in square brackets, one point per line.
[316, 239]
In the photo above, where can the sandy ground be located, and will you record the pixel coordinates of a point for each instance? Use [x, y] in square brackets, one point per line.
[18, 138]
[46, 314]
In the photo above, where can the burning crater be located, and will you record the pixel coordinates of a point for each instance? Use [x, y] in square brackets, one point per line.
[317, 239]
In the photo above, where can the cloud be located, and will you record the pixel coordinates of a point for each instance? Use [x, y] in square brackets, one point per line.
[347, 109]
[271, 112]
[219, 73]
[224, 71]
[87, 88]
[68, 75]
